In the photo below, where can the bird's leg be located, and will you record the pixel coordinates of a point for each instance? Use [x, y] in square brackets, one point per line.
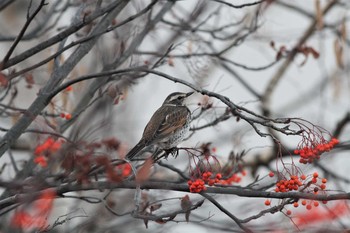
[157, 155]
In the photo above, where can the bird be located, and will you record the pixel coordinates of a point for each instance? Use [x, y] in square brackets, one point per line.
[167, 127]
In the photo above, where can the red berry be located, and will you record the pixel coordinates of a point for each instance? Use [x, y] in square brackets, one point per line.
[334, 141]
[68, 116]
[211, 182]
[69, 88]
[267, 202]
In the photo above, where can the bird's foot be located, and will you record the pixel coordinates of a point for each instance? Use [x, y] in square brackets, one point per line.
[173, 151]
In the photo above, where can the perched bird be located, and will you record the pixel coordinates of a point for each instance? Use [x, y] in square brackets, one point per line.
[167, 127]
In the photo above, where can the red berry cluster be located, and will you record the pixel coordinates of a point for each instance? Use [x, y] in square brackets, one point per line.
[208, 178]
[295, 182]
[35, 217]
[66, 116]
[196, 186]
[288, 185]
[311, 152]
[309, 204]
[50, 145]
[46, 148]
[317, 187]
[310, 184]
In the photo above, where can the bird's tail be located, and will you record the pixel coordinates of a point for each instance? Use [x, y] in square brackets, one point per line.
[135, 151]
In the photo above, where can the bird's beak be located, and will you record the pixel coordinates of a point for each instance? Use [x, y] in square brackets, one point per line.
[189, 93]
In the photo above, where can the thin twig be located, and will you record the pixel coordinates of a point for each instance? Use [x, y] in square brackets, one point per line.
[23, 30]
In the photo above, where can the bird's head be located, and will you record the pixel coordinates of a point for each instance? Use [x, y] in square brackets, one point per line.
[176, 98]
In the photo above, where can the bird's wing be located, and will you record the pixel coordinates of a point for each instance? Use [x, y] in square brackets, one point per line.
[165, 121]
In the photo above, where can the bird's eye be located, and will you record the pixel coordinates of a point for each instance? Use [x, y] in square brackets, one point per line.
[180, 97]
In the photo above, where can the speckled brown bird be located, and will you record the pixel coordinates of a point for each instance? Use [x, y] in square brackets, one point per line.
[167, 127]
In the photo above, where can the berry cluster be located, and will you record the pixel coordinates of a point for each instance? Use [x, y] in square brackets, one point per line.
[66, 116]
[196, 186]
[288, 185]
[308, 204]
[48, 147]
[208, 178]
[36, 216]
[312, 183]
[311, 152]
[295, 182]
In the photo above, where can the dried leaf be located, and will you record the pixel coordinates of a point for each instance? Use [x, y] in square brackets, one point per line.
[187, 216]
[3, 80]
[314, 53]
[116, 101]
[29, 79]
[171, 61]
[343, 30]
[144, 172]
[186, 205]
[281, 52]
[112, 91]
[338, 51]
